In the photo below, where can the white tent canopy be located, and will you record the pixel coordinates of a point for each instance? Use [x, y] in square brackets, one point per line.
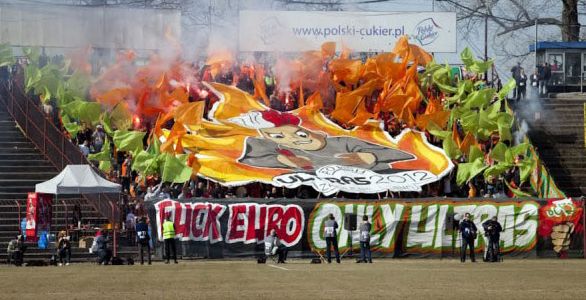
[77, 179]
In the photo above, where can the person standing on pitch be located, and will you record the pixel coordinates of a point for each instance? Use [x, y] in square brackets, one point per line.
[365, 240]
[492, 230]
[143, 239]
[169, 236]
[468, 230]
[331, 238]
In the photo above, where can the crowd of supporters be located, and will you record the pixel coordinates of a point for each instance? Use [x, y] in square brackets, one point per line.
[137, 189]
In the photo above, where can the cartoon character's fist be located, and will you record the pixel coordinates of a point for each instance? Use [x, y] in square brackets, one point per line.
[293, 161]
[358, 158]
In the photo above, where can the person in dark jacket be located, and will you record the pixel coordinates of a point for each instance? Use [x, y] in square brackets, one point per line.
[331, 236]
[273, 245]
[104, 254]
[492, 230]
[365, 228]
[143, 238]
[468, 231]
[64, 248]
[515, 73]
[16, 249]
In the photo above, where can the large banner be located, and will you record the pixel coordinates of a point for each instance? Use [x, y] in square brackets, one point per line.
[249, 142]
[401, 228]
[359, 31]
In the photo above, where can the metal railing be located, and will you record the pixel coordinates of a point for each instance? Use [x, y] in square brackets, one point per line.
[51, 141]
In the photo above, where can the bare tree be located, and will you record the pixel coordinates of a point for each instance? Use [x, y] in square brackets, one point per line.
[514, 15]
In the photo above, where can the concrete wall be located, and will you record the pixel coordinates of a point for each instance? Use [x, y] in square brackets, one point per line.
[73, 26]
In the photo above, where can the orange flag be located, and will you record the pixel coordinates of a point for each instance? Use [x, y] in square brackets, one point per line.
[439, 118]
[468, 142]
[328, 49]
[348, 71]
[433, 105]
[161, 120]
[177, 132]
[314, 102]
[420, 55]
[407, 117]
[456, 135]
[350, 104]
[260, 89]
[190, 113]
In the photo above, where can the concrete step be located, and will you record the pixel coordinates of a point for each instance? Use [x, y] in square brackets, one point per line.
[28, 169]
[39, 176]
[11, 134]
[19, 150]
[21, 156]
[23, 162]
[20, 138]
[12, 144]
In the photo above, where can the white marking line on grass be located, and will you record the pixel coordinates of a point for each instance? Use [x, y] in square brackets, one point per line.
[279, 267]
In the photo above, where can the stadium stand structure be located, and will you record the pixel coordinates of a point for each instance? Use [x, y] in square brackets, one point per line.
[21, 167]
[556, 128]
[33, 150]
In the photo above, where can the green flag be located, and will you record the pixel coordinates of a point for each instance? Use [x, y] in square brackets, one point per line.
[121, 117]
[464, 87]
[485, 122]
[88, 112]
[129, 140]
[145, 163]
[446, 88]
[467, 171]
[78, 85]
[174, 170]
[520, 149]
[450, 147]
[104, 155]
[526, 167]
[105, 120]
[517, 192]
[498, 152]
[507, 88]
[442, 134]
[105, 166]
[496, 170]
[493, 110]
[479, 98]
[475, 154]
[71, 127]
[473, 65]
[469, 121]
[504, 123]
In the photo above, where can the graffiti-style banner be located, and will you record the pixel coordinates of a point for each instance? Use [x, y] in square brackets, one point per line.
[248, 142]
[428, 227]
[418, 227]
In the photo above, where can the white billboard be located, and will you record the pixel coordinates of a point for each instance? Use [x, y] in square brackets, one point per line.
[78, 26]
[359, 31]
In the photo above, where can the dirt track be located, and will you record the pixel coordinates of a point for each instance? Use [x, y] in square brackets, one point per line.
[391, 279]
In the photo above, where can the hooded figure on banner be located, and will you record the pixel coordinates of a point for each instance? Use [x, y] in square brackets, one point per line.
[285, 144]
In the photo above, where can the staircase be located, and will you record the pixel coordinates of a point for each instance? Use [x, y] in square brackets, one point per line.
[42, 150]
[22, 166]
[558, 134]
